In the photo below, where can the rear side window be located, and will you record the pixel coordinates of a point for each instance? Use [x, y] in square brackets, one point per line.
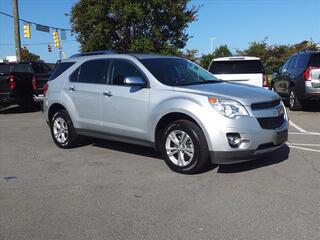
[315, 60]
[23, 68]
[302, 61]
[4, 68]
[94, 71]
[236, 67]
[59, 69]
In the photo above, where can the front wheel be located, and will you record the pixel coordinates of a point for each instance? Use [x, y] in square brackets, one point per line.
[62, 130]
[184, 147]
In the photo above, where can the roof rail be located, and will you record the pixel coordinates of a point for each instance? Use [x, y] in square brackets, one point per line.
[93, 53]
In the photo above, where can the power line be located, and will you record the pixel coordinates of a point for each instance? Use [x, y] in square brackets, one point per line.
[30, 44]
[23, 20]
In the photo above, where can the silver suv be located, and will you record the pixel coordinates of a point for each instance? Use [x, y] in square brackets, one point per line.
[167, 103]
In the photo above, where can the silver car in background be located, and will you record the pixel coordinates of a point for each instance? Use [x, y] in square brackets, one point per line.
[167, 103]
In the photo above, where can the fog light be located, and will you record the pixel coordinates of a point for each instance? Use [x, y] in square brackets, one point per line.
[234, 139]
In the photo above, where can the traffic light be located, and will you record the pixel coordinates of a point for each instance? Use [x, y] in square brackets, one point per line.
[26, 30]
[56, 39]
[50, 47]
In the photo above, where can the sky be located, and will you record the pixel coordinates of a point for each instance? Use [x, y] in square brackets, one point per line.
[232, 22]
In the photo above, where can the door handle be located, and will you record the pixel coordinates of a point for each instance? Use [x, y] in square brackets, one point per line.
[71, 88]
[107, 93]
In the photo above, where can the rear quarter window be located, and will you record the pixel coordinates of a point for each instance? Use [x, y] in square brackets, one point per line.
[59, 69]
[315, 60]
[236, 67]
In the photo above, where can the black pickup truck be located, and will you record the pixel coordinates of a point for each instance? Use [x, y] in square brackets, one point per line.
[22, 83]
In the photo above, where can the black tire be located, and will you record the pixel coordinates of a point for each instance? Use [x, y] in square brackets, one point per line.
[27, 104]
[200, 159]
[294, 103]
[70, 137]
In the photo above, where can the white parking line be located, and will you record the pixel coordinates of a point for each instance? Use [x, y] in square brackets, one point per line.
[303, 148]
[306, 144]
[301, 130]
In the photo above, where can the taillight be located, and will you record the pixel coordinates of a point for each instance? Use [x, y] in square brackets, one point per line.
[45, 89]
[34, 83]
[265, 80]
[12, 79]
[307, 75]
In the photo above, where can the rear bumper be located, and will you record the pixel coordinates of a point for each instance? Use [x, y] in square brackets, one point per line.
[312, 91]
[38, 98]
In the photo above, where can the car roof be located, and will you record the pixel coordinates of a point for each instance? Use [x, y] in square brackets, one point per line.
[104, 54]
[236, 58]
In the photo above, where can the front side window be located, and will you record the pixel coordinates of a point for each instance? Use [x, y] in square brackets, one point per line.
[178, 71]
[121, 69]
[93, 71]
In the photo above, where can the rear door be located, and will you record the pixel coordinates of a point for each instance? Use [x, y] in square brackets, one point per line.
[242, 71]
[125, 108]
[85, 89]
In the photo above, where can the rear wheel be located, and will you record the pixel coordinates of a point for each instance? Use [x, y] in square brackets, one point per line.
[294, 102]
[184, 147]
[62, 130]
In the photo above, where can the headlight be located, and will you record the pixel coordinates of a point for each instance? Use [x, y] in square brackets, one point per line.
[228, 108]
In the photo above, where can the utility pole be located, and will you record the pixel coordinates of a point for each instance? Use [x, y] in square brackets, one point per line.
[16, 29]
[211, 43]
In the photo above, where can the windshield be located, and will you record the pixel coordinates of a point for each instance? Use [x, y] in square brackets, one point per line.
[178, 71]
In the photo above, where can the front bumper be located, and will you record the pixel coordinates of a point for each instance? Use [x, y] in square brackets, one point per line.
[224, 157]
[255, 140]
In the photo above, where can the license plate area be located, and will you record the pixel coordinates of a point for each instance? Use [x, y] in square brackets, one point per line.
[280, 137]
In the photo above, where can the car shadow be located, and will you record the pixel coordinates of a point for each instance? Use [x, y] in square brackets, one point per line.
[275, 157]
[312, 106]
[119, 147]
[15, 109]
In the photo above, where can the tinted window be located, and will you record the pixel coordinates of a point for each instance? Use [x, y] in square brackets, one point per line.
[302, 61]
[59, 69]
[75, 75]
[24, 67]
[121, 69]
[315, 60]
[94, 71]
[236, 67]
[292, 63]
[286, 64]
[177, 71]
[4, 68]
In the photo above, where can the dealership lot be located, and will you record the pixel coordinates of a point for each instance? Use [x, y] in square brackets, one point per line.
[109, 190]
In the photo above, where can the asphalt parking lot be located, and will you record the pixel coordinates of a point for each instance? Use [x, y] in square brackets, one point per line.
[109, 190]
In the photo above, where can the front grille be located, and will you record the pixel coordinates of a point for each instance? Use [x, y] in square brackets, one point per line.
[271, 122]
[265, 105]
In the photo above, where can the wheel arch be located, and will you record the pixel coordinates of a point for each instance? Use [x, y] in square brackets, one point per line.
[171, 117]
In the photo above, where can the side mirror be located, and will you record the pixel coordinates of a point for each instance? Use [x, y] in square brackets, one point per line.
[134, 81]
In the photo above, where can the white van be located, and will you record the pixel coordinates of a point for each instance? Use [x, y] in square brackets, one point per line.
[248, 70]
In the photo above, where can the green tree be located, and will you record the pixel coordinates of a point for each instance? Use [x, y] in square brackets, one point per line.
[127, 26]
[221, 51]
[28, 56]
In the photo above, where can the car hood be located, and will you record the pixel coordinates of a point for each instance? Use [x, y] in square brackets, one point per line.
[242, 93]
